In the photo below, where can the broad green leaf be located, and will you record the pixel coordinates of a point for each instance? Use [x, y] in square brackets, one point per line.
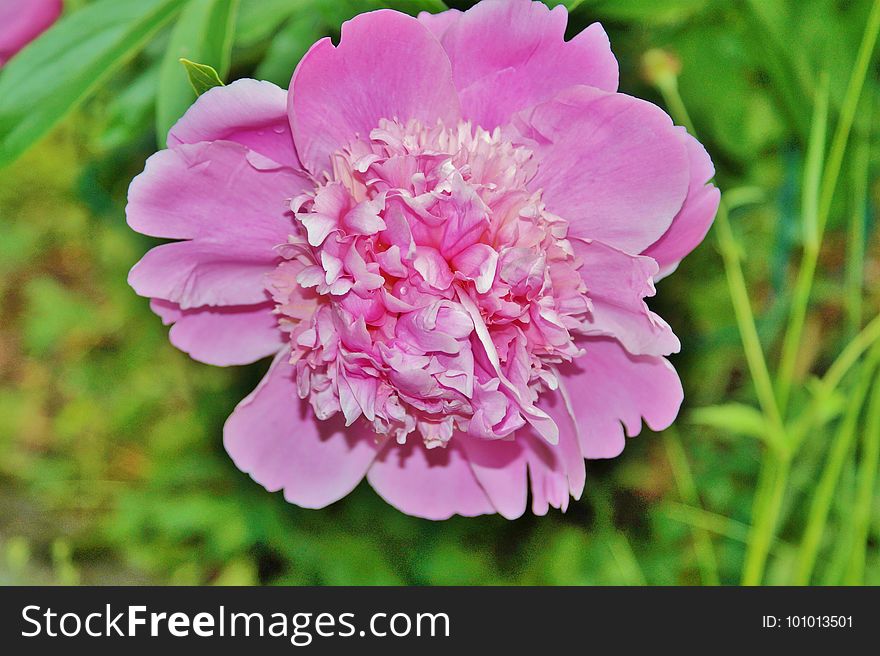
[201, 76]
[130, 113]
[258, 20]
[203, 33]
[337, 11]
[644, 11]
[288, 47]
[734, 417]
[61, 68]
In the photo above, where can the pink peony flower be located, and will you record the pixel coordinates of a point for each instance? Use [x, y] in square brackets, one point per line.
[22, 21]
[444, 233]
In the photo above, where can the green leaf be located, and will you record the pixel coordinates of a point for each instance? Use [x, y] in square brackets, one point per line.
[59, 70]
[288, 47]
[737, 418]
[338, 11]
[257, 21]
[645, 11]
[201, 76]
[203, 33]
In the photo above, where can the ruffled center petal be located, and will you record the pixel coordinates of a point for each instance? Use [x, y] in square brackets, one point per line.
[440, 291]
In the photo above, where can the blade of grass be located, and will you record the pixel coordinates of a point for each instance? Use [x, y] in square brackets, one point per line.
[817, 517]
[714, 523]
[626, 560]
[855, 260]
[813, 239]
[868, 336]
[687, 490]
[767, 508]
[867, 477]
[840, 550]
[810, 210]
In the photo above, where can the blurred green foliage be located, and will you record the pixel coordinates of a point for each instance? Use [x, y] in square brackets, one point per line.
[111, 463]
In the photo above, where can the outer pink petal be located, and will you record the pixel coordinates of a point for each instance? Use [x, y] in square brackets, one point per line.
[220, 191]
[610, 387]
[22, 21]
[430, 483]
[508, 55]
[222, 336]
[387, 65]
[695, 218]
[555, 472]
[197, 273]
[617, 284]
[500, 468]
[274, 436]
[249, 112]
[438, 24]
[612, 165]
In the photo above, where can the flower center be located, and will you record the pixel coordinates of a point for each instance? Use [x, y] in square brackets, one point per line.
[429, 289]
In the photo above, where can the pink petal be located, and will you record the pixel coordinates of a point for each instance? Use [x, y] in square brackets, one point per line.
[438, 24]
[430, 483]
[196, 273]
[252, 113]
[387, 65]
[477, 263]
[612, 165]
[695, 218]
[222, 336]
[274, 436]
[617, 284]
[166, 310]
[22, 21]
[508, 55]
[217, 191]
[500, 468]
[556, 472]
[610, 387]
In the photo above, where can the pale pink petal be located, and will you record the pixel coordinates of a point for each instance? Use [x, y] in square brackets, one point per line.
[22, 21]
[612, 390]
[612, 165]
[196, 273]
[556, 472]
[695, 218]
[220, 191]
[222, 336]
[478, 263]
[500, 468]
[430, 483]
[387, 65]
[168, 311]
[508, 55]
[252, 113]
[274, 436]
[616, 285]
[438, 24]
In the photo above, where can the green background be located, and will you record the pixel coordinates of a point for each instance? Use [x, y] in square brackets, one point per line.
[112, 468]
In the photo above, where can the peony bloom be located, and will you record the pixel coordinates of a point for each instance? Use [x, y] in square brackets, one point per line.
[444, 233]
[22, 21]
